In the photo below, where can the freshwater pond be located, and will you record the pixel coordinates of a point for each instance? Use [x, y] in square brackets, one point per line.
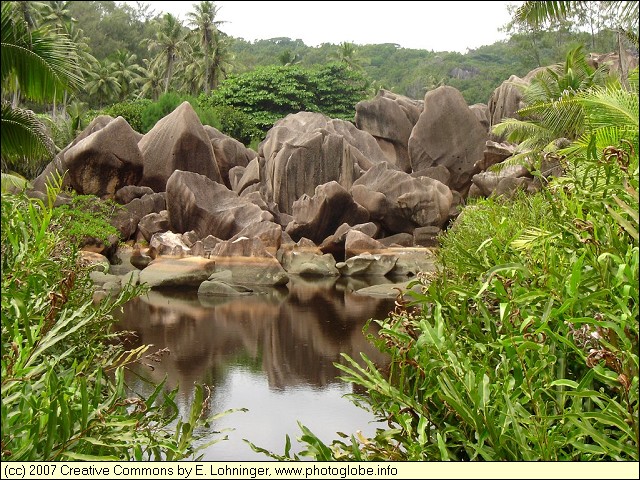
[271, 353]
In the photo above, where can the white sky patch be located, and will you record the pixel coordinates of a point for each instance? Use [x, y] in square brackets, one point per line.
[431, 25]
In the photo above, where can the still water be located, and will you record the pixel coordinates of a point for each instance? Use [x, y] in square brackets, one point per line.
[271, 353]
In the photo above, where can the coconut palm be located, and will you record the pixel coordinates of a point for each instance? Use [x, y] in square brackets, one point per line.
[127, 72]
[38, 65]
[539, 12]
[203, 18]
[288, 58]
[103, 84]
[612, 114]
[221, 60]
[152, 80]
[57, 15]
[28, 12]
[348, 54]
[625, 12]
[170, 42]
[192, 69]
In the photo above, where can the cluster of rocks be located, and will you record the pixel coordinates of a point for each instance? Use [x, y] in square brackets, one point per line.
[321, 196]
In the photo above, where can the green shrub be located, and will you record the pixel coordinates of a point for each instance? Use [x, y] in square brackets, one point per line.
[153, 112]
[268, 94]
[86, 217]
[131, 111]
[236, 124]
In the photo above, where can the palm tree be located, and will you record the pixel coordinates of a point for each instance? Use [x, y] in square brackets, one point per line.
[613, 114]
[534, 12]
[103, 83]
[626, 13]
[127, 72]
[58, 15]
[28, 12]
[221, 60]
[288, 58]
[203, 18]
[39, 65]
[170, 43]
[548, 114]
[348, 54]
[192, 68]
[152, 80]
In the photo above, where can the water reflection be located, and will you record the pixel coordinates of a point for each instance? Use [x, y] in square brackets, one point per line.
[272, 353]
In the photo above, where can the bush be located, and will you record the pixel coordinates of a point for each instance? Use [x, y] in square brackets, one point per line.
[228, 120]
[236, 124]
[268, 94]
[85, 218]
[154, 111]
[131, 111]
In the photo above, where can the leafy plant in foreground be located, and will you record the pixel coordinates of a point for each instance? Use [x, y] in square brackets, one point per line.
[63, 391]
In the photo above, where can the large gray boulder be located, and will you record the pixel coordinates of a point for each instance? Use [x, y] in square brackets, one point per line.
[270, 235]
[128, 193]
[505, 101]
[56, 166]
[448, 133]
[195, 202]
[177, 142]
[127, 218]
[305, 259]
[367, 265]
[248, 176]
[228, 152]
[319, 216]
[104, 161]
[400, 202]
[335, 243]
[390, 118]
[305, 150]
[250, 262]
[183, 272]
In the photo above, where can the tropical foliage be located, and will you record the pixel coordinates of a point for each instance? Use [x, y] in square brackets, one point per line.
[270, 93]
[64, 395]
[551, 113]
[38, 65]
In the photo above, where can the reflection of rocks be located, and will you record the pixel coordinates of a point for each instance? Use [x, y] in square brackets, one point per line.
[296, 338]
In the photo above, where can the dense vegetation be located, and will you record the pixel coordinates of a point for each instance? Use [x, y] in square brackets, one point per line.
[523, 346]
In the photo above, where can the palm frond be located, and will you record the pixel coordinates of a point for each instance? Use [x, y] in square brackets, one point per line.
[13, 182]
[610, 106]
[532, 237]
[44, 64]
[525, 133]
[22, 135]
[562, 118]
[633, 80]
[536, 13]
